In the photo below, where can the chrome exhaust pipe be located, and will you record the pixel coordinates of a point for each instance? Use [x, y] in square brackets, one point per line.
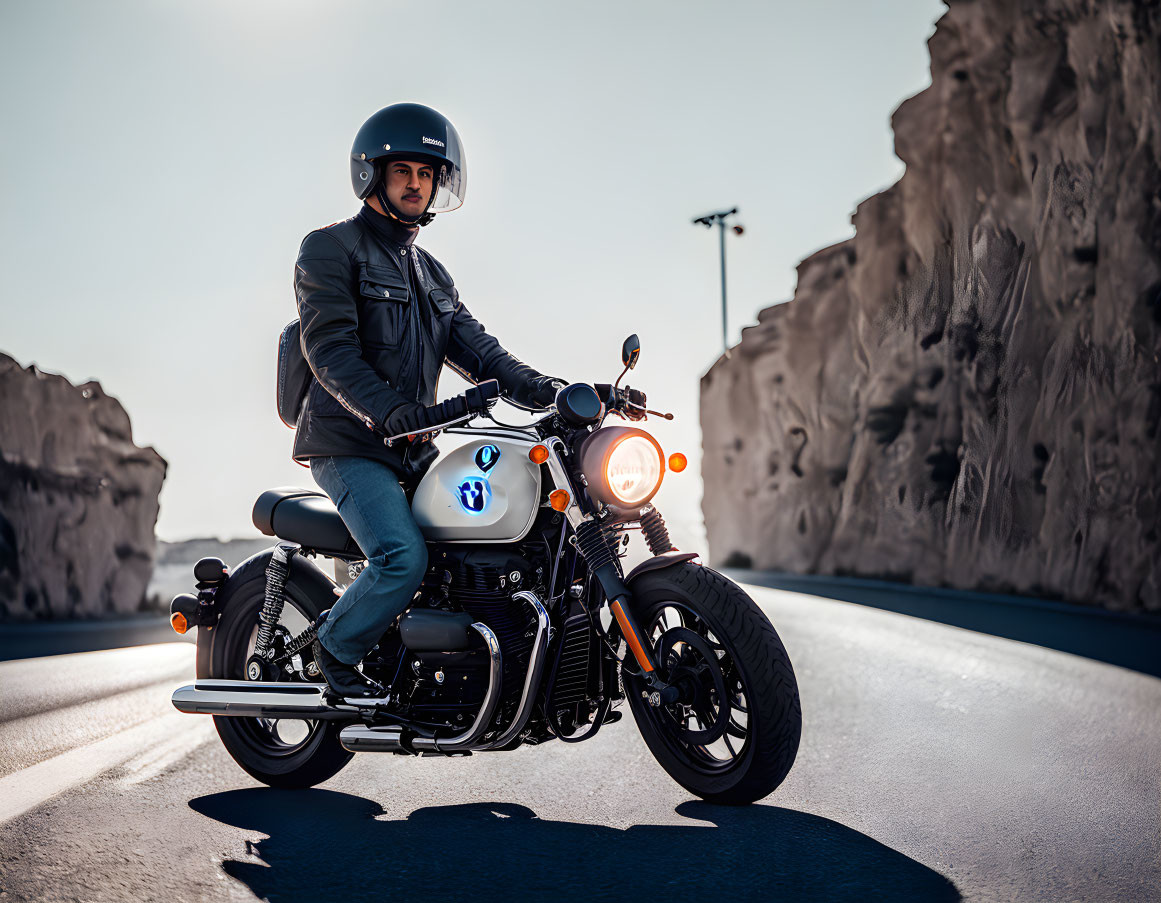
[469, 738]
[361, 738]
[389, 738]
[535, 669]
[256, 699]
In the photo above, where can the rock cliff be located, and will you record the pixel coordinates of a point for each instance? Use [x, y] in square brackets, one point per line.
[968, 392]
[78, 500]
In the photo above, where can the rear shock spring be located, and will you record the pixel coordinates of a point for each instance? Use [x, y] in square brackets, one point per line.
[276, 573]
[300, 642]
[655, 532]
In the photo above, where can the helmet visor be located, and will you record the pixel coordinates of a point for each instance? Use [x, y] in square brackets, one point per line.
[449, 190]
[453, 180]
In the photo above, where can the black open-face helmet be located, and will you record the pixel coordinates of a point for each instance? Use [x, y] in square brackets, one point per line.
[409, 131]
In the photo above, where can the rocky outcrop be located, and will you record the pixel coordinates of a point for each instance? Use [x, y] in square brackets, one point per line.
[968, 392]
[78, 500]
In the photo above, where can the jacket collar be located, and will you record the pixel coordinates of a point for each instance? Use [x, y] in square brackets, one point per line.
[385, 228]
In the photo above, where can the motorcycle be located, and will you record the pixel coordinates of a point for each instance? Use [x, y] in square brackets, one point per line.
[525, 628]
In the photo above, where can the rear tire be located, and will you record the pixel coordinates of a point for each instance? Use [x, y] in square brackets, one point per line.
[254, 743]
[754, 668]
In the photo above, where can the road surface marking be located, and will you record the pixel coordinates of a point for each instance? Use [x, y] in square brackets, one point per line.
[32, 786]
[189, 734]
[38, 685]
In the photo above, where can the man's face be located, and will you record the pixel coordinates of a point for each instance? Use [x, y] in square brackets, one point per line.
[409, 186]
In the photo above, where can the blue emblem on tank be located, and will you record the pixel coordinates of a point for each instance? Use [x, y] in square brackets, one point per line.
[474, 494]
[486, 457]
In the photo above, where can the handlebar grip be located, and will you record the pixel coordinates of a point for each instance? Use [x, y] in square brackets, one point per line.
[478, 396]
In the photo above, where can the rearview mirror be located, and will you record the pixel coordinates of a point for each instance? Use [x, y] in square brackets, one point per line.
[630, 351]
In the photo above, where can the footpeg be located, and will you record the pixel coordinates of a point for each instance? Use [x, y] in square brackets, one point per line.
[367, 702]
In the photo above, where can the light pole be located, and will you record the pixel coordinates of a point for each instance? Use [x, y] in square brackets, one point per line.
[720, 218]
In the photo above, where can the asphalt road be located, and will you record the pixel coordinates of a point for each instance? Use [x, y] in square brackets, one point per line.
[936, 764]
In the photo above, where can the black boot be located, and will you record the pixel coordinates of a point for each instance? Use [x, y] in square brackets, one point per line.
[346, 681]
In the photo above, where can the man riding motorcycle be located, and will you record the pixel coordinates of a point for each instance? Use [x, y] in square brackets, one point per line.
[379, 317]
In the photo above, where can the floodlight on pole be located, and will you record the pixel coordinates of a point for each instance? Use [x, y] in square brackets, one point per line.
[720, 218]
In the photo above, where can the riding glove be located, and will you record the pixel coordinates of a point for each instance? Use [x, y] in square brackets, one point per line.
[542, 391]
[412, 417]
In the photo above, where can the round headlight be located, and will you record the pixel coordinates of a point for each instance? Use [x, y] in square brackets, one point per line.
[634, 470]
[623, 466]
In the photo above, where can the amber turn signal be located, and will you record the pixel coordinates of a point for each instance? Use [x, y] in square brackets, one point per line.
[559, 499]
[178, 622]
[538, 454]
[677, 462]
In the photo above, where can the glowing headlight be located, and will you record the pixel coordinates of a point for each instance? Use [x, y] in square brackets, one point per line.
[634, 470]
[623, 467]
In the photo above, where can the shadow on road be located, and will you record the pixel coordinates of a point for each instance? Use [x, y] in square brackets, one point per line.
[327, 845]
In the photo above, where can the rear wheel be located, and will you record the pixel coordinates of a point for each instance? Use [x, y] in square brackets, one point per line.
[283, 752]
[733, 734]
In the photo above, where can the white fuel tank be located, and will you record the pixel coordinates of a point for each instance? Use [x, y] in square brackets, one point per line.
[484, 491]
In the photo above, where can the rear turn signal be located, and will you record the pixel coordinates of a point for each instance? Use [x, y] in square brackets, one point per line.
[538, 454]
[559, 499]
[178, 622]
[677, 462]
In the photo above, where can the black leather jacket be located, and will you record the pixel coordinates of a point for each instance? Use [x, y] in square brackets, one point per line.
[380, 317]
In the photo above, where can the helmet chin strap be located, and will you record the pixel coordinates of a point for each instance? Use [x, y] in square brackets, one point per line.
[398, 215]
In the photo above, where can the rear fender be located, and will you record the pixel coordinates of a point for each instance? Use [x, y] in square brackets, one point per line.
[304, 573]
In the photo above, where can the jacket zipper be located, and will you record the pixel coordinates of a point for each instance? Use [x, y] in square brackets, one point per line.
[415, 322]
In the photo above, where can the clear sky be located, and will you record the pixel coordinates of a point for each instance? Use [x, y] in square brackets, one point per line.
[161, 161]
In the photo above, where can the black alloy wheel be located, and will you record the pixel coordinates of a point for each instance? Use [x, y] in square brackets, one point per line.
[281, 752]
[732, 734]
[709, 721]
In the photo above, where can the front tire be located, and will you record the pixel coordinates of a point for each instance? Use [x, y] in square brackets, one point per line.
[734, 735]
[280, 753]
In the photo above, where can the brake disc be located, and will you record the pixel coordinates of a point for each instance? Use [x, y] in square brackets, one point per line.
[685, 660]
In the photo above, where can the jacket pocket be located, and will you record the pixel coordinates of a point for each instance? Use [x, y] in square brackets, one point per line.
[442, 301]
[444, 308]
[383, 306]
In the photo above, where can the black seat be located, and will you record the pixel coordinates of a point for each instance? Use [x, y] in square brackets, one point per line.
[305, 516]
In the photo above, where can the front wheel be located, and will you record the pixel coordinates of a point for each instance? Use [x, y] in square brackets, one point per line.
[732, 735]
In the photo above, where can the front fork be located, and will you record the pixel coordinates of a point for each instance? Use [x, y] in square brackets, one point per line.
[615, 590]
[600, 555]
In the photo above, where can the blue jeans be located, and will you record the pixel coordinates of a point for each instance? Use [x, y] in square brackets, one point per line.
[374, 507]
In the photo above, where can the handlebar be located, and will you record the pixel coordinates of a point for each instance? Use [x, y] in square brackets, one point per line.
[477, 400]
[478, 396]
[628, 402]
